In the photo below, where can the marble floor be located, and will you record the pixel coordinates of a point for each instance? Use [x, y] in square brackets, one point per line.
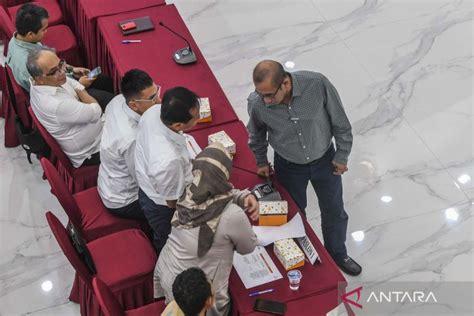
[404, 70]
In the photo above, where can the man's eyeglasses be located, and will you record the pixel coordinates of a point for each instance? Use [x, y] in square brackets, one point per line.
[270, 95]
[61, 66]
[153, 97]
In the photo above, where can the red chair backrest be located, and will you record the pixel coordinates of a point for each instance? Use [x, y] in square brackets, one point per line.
[52, 143]
[7, 28]
[107, 301]
[60, 189]
[65, 243]
[22, 98]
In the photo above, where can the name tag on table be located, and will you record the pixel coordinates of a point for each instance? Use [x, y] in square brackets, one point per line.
[256, 268]
[308, 249]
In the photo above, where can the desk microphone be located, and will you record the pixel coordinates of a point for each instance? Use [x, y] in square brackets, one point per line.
[182, 56]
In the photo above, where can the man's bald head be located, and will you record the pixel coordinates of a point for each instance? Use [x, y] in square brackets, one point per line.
[269, 70]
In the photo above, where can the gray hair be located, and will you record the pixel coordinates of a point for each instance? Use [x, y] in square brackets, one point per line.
[32, 62]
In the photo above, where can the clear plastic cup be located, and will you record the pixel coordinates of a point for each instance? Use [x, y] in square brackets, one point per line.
[294, 276]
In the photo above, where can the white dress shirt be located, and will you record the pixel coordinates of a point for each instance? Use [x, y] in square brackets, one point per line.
[117, 182]
[162, 160]
[75, 125]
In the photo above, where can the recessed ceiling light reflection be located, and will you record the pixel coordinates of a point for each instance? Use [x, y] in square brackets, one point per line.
[358, 235]
[47, 286]
[464, 178]
[289, 64]
[386, 198]
[451, 214]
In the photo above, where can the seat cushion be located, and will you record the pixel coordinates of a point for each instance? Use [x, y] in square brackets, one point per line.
[52, 6]
[96, 220]
[61, 38]
[151, 309]
[123, 258]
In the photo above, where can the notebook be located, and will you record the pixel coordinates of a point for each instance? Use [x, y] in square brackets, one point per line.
[143, 24]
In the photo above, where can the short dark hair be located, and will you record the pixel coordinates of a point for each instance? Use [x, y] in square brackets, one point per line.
[269, 68]
[176, 105]
[191, 289]
[134, 82]
[29, 18]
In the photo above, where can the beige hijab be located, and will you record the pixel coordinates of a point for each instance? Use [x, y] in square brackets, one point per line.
[204, 200]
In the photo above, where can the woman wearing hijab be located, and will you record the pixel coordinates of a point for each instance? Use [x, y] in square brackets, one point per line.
[208, 225]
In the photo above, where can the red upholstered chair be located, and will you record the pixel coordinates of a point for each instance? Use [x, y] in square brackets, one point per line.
[59, 37]
[125, 261]
[52, 6]
[10, 140]
[85, 209]
[77, 179]
[111, 307]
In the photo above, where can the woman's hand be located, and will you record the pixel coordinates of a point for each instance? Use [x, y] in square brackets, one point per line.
[251, 206]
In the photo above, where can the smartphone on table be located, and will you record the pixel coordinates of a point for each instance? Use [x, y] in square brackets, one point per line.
[267, 306]
[94, 72]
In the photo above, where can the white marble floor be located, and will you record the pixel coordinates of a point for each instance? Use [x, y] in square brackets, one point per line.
[404, 70]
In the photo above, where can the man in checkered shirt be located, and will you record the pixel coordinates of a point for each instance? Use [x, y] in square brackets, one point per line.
[299, 114]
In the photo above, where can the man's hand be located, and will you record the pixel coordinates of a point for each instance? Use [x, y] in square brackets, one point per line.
[251, 206]
[171, 204]
[85, 97]
[339, 168]
[79, 71]
[265, 171]
[86, 81]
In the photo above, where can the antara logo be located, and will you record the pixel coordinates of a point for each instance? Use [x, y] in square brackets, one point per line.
[388, 297]
[402, 297]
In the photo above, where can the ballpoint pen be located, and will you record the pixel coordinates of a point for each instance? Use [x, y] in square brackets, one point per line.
[261, 292]
[131, 41]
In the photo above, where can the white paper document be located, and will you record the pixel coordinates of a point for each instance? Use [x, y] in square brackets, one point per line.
[256, 268]
[269, 234]
[193, 148]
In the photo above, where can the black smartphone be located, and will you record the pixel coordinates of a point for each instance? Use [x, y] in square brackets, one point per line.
[267, 306]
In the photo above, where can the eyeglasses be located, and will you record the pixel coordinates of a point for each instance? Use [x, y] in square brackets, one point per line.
[153, 97]
[270, 95]
[61, 66]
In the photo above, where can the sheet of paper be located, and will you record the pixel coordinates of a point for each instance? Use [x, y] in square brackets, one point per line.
[256, 268]
[269, 234]
[193, 148]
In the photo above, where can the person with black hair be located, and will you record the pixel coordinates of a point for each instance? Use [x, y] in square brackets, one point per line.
[31, 23]
[162, 160]
[117, 183]
[192, 294]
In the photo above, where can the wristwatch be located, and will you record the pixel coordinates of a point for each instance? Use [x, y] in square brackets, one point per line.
[69, 70]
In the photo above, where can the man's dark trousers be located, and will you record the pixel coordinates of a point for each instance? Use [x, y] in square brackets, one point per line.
[158, 217]
[328, 188]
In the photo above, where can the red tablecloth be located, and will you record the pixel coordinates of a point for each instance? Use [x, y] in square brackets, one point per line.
[89, 10]
[244, 158]
[318, 289]
[154, 56]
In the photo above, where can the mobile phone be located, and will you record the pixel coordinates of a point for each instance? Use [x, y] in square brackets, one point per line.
[94, 73]
[267, 306]
[128, 26]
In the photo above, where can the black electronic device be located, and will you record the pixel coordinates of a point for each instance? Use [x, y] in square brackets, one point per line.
[267, 306]
[184, 55]
[266, 192]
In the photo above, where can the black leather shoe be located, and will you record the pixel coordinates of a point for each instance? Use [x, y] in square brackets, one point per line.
[349, 266]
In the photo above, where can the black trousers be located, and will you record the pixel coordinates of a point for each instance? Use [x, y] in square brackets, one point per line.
[158, 217]
[102, 89]
[328, 188]
[132, 210]
[93, 160]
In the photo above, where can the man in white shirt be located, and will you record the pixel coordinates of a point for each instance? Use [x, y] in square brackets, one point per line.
[64, 108]
[117, 182]
[162, 162]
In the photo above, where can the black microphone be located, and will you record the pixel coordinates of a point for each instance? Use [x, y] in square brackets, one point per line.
[184, 55]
